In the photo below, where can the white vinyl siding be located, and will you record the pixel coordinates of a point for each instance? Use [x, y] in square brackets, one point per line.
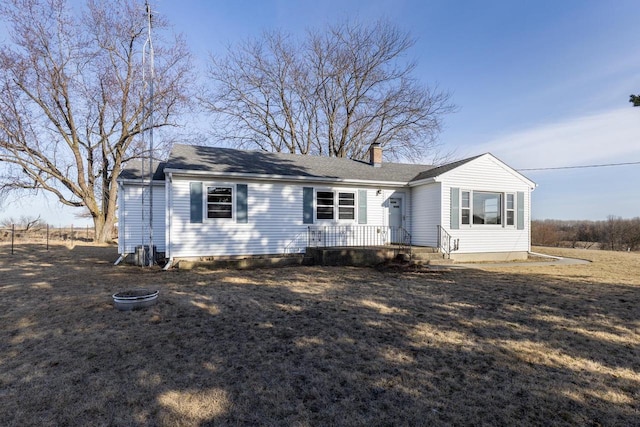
[376, 211]
[485, 174]
[275, 220]
[426, 214]
[133, 218]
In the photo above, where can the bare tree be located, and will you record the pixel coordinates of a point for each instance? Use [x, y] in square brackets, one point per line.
[613, 233]
[73, 105]
[334, 93]
[24, 223]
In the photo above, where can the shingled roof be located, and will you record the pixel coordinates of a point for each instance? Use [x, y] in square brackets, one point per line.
[433, 172]
[136, 168]
[190, 158]
[227, 160]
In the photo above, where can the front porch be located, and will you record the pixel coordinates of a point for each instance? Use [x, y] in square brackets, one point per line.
[360, 245]
[370, 245]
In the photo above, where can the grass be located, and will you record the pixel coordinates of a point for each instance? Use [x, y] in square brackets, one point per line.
[518, 345]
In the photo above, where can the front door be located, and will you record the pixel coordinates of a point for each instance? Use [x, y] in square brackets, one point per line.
[395, 219]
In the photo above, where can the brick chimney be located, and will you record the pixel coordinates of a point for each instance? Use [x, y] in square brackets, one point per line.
[375, 155]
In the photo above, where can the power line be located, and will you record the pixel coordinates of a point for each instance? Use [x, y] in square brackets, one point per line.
[580, 167]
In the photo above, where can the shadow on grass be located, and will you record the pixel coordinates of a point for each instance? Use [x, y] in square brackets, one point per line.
[313, 346]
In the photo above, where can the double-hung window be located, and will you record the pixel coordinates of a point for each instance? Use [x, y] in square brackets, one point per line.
[324, 205]
[347, 206]
[465, 208]
[336, 205]
[219, 202]
[510, 209]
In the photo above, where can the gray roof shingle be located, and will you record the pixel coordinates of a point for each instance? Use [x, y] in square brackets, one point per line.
[433, 172]
[227, 160]
[134, 170]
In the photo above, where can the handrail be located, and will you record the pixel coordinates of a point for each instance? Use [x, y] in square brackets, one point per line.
[446, 243]
[294, 245]
[406, 241]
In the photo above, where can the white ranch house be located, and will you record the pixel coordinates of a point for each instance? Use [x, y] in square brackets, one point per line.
[219, 202]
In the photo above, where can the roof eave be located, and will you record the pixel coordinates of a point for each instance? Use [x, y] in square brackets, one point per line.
[424, 181]
[269, 177]
[139, 181]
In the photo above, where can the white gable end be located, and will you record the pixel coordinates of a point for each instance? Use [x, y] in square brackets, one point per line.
[488, 170]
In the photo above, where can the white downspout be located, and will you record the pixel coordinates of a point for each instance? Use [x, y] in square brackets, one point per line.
[168, 218]
[121, 228]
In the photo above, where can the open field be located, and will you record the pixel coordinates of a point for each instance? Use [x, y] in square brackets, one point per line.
[532, 345]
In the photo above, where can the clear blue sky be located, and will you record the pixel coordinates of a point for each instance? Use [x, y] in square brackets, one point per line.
[538, 84]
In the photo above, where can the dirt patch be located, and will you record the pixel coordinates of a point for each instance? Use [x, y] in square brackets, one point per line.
[302, 346]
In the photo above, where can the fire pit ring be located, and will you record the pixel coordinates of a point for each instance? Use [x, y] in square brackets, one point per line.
[134, 298]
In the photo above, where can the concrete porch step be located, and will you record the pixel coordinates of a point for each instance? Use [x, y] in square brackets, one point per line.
[426, 257]
[424, 249]
[425, 254]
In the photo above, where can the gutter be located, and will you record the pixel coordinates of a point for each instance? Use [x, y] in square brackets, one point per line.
[139, 181]
[267, 177]
[121, 225]
[422, 181]
[168, 207]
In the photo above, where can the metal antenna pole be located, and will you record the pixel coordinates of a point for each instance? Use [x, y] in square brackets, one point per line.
[150, 127]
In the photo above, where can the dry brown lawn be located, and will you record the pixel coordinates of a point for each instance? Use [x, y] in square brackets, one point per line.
[532, 345]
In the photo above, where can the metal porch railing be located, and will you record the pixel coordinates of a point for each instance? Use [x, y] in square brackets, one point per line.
[363, 236]
[446, 243]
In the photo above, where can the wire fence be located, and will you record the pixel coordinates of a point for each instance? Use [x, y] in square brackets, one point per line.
[13, 236]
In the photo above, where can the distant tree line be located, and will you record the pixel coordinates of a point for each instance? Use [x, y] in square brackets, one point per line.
[614, 233]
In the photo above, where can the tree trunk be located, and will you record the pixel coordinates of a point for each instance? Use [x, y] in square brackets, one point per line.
[103, 229]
